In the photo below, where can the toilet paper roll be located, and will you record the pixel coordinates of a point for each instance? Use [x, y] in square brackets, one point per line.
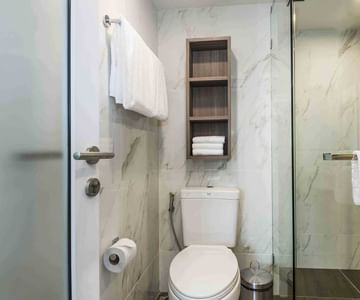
[118, 256]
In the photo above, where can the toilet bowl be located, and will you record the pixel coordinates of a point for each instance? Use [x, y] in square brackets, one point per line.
[204, 272]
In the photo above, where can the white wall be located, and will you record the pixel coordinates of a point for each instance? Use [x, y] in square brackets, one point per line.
[129, 200]
[250, 166]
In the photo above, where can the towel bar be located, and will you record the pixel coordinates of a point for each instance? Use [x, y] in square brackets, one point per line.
[339, 156]
[107, 21]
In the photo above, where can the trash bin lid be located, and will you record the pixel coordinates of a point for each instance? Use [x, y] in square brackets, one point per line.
[255, 278]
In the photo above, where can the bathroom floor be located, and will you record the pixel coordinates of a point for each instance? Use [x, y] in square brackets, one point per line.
[317, 284]
[327, 283]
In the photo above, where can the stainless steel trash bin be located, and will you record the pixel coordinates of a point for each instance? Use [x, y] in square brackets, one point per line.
[256, 284]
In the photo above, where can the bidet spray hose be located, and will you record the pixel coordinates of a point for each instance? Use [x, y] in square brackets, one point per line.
[171, 215]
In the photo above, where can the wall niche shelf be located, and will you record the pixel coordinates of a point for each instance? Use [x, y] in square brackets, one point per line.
[208, 92]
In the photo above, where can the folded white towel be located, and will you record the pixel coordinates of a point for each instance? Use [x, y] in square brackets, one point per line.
[208, 139]
[355, 178]
[137, 79]
[208, 146]
[208, 152]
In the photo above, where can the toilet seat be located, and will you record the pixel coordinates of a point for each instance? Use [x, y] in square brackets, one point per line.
[204, 272]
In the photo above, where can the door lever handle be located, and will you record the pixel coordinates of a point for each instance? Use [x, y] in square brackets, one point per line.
[93, 155]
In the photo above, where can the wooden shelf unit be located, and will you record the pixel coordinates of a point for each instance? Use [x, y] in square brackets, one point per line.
[208, 92]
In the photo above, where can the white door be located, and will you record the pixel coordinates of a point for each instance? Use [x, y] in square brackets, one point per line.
[84, 134]
[48, 110]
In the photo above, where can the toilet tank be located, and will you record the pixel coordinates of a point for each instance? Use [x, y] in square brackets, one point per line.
[209, 216]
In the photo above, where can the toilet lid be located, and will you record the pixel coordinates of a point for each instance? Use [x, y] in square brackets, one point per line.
[204, 271]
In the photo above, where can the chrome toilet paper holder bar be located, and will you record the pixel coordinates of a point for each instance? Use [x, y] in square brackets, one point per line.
[115, 240]
[113, 258]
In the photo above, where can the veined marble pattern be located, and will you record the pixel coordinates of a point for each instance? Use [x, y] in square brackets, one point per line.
[250, 166]
[129, 198]
[327, 120]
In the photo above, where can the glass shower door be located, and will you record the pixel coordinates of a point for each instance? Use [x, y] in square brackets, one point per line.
[281, 148]
[33, 157]
[327, 120]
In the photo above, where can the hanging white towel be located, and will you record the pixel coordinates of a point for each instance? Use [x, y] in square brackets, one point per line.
[208, 152]
[209, 139]
[137, 79]
[355, 174]
[208, 146]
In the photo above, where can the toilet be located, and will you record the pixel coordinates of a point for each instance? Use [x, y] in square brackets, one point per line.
[207, 269]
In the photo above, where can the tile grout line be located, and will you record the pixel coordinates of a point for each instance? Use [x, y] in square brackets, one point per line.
[348, 279]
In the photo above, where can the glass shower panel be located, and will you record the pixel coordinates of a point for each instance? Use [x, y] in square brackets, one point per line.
[281, 147]
[33, 156]
[327, 107]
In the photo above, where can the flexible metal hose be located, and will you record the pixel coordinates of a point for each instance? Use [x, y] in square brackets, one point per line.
[171, 215]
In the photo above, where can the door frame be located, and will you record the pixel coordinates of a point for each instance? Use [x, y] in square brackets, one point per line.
[84, 129]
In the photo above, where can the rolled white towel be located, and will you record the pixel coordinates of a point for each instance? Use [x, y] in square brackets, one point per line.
[208, 152]
[209, 139]
[218, 146]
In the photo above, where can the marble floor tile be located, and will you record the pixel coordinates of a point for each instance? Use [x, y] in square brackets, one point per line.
[329, 283]
[353, 276]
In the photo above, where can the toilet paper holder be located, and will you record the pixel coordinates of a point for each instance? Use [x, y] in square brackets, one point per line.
[115, 240]
[117, 256]
[114, 259]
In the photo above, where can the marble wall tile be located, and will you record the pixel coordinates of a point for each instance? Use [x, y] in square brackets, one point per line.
[327, 120]
[245, 259]
[129, 197]
[147, 287]
[250, 166]
[166, 258]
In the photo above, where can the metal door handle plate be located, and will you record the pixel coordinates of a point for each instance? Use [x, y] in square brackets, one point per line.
[92, 187]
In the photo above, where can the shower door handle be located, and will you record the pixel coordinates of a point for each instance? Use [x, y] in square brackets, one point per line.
[93, 155]
[339, 156]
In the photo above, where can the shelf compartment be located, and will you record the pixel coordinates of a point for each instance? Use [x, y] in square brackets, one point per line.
[209, 128]
[208, 57]
[208, 101]
[216, 43]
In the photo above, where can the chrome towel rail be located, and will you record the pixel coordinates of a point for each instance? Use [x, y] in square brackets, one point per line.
[107, 21]
[339, 156]
[93, 155]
